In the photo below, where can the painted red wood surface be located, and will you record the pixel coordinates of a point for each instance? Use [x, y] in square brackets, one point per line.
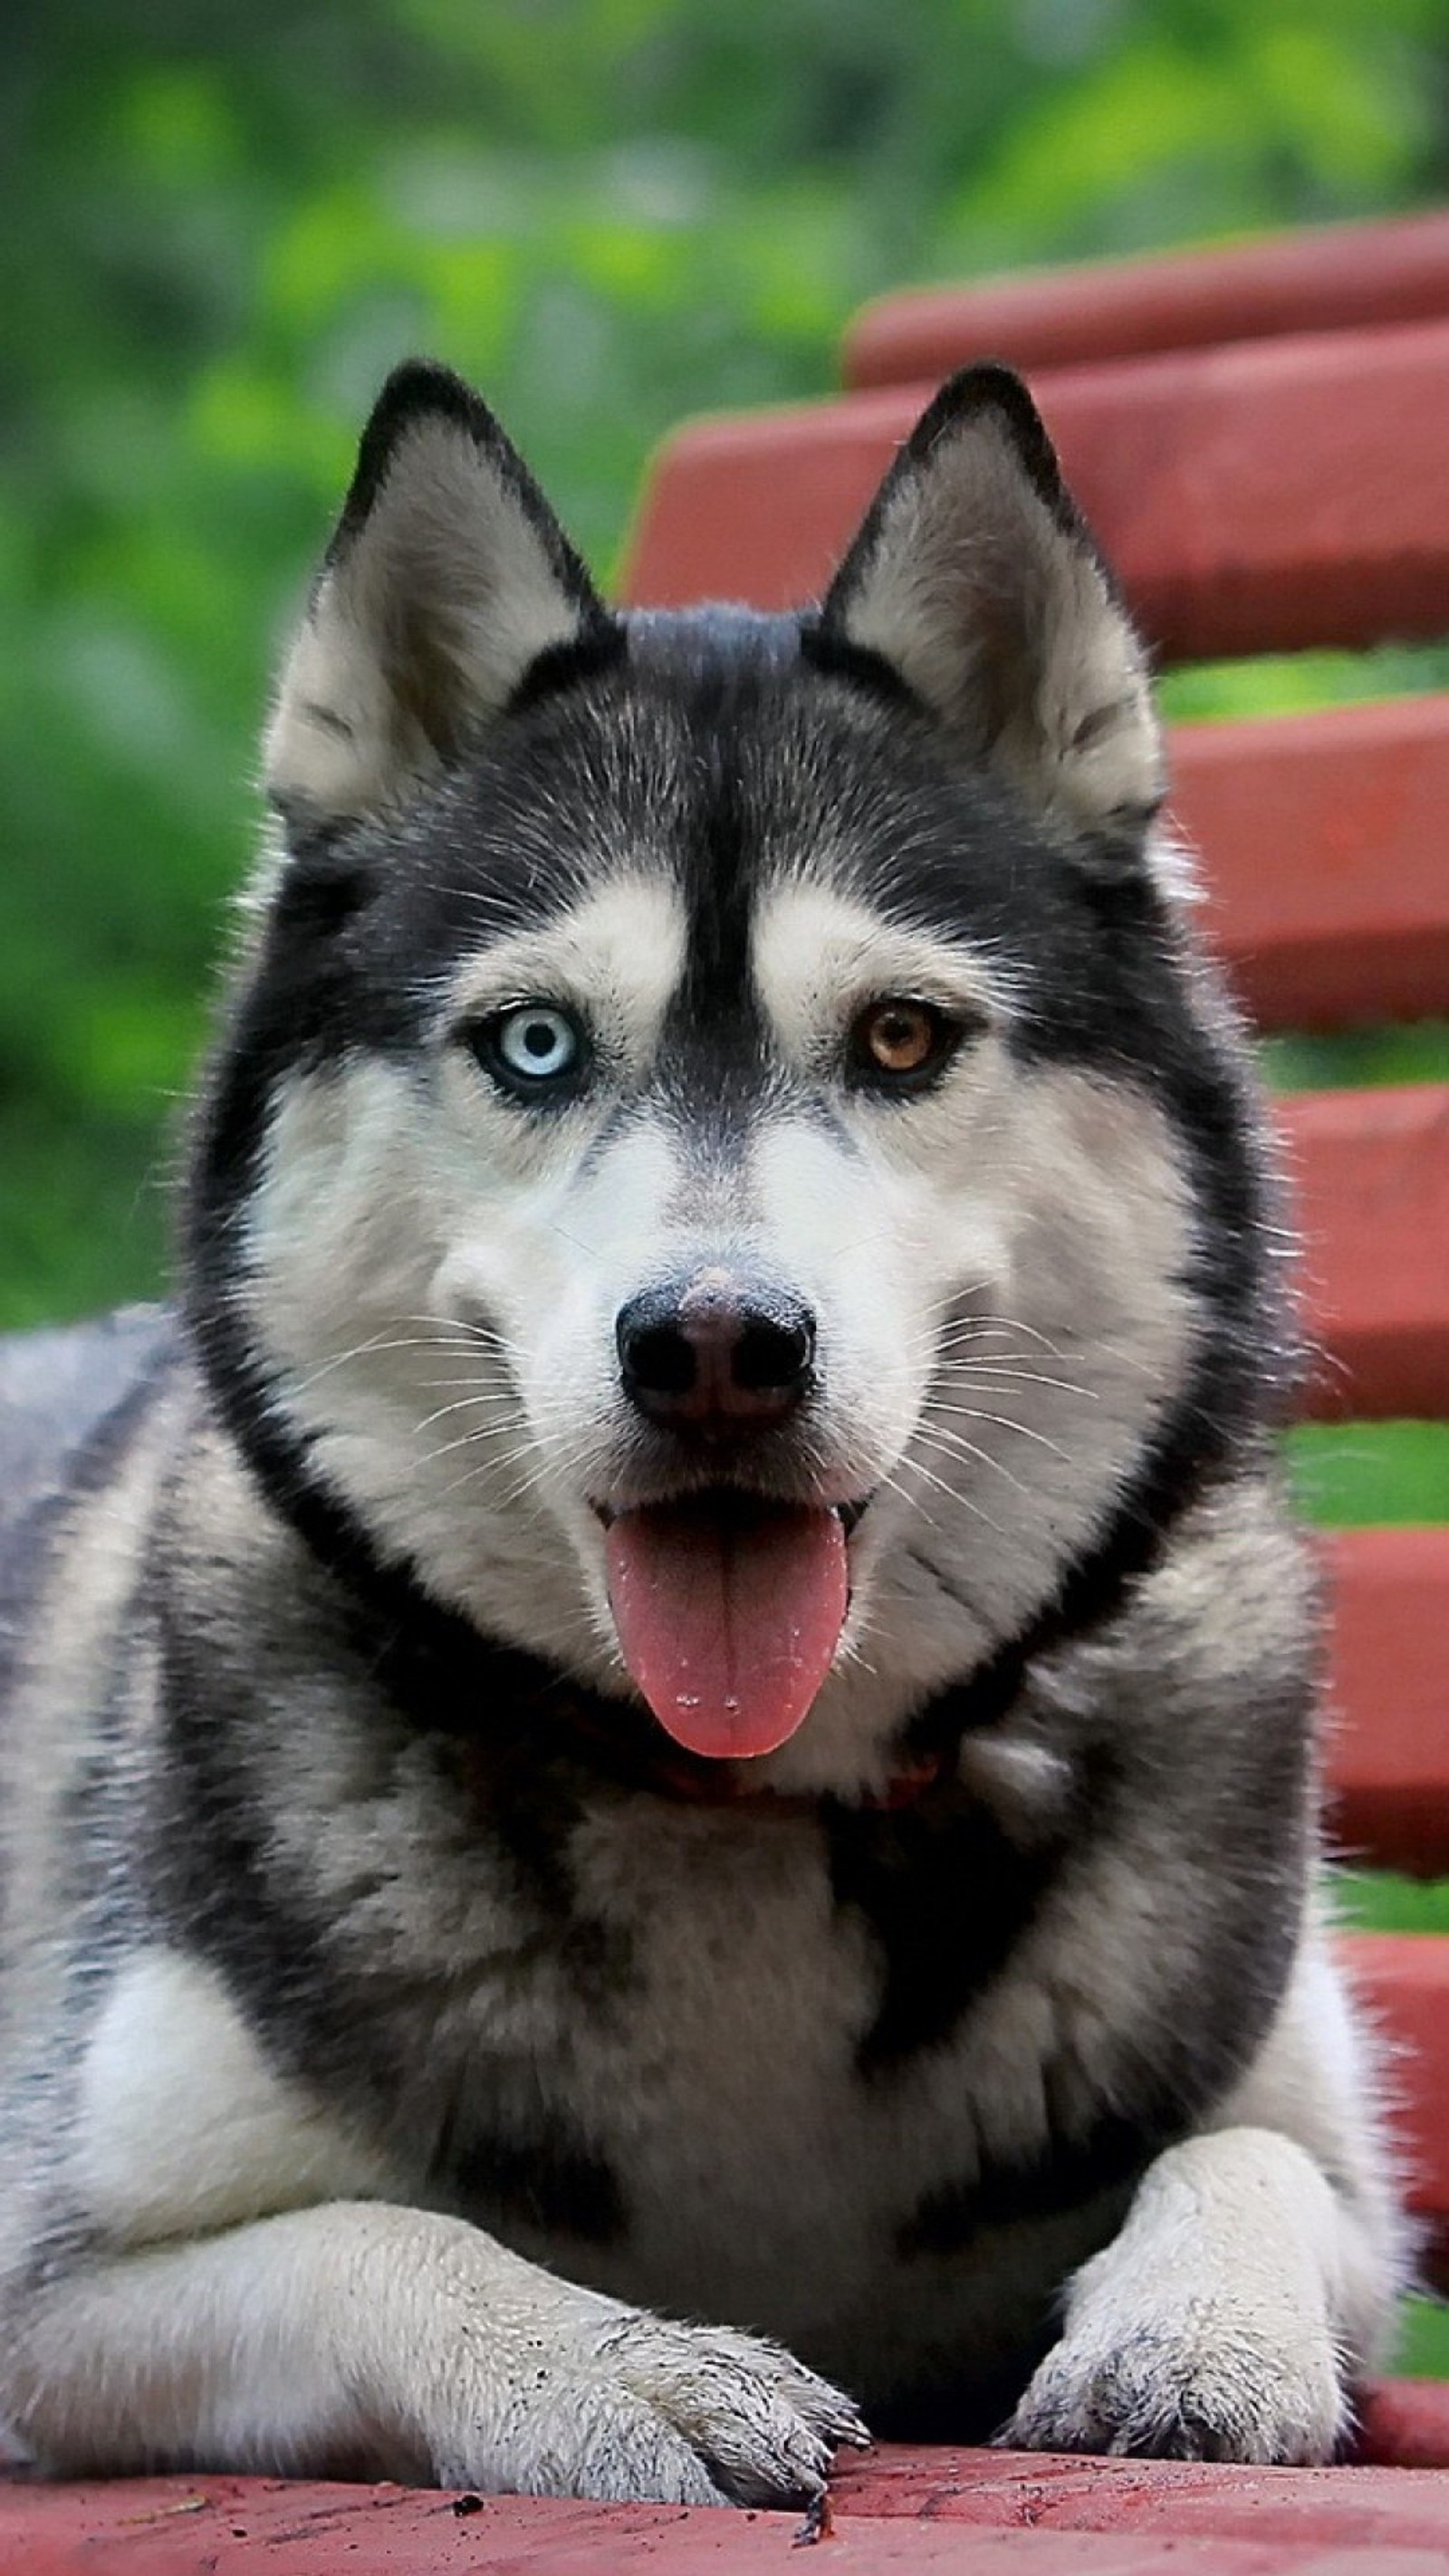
[1338, 279]
[1405, 2425]
[1389, 1694]
[1403, 1978]
[971, 2512]
[1323, 845]
[1260, 496]
[1370, 1178]
[1015, 2489]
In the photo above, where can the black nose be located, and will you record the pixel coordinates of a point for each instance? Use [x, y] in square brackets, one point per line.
[717, 1355]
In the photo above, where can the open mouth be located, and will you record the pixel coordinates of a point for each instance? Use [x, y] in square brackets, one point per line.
[729, 1609]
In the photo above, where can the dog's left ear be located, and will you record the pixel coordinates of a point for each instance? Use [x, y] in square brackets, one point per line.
[448, 578]
[975, 578]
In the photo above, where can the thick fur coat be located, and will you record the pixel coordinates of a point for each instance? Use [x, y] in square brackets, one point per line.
[695, 1083]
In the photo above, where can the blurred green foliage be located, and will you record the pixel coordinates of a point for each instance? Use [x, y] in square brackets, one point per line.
[1346, 1473]
[220, 226]
[1423, 2350]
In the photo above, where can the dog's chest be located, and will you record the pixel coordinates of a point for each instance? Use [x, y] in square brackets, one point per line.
[761, 2170]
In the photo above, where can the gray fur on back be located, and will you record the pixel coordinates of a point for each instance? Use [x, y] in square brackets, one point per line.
[57, 1385]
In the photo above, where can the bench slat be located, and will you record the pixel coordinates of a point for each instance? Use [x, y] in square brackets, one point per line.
[937, 2507]
[1257, 497]
[1190, 2499]
[1371, 1193]
[1322, 842]
[1388, 1694]
[1034, 2515]
[1403, 1979]
[1340, 278]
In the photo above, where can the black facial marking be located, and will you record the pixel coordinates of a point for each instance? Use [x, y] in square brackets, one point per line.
[836, 657]
[714, 1058]
[598, 648]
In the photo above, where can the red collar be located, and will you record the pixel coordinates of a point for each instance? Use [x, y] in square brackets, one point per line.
[619, 1743]
[691, 1780]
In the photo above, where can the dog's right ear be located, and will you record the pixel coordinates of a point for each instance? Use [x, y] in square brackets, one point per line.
[446, 580]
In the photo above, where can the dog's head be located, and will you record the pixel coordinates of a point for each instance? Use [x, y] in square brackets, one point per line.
[720, 1164]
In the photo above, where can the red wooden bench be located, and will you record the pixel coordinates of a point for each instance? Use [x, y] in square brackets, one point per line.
[1261, 437]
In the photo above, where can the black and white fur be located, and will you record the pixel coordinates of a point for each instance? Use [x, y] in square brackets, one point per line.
[407, 2069]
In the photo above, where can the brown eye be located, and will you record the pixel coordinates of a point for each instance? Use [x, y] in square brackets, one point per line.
[902, 1042]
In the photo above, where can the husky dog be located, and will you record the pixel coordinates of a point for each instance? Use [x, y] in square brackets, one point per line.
[659, 1757]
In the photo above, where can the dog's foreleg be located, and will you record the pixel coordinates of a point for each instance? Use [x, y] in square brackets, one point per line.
[377, 2340]
[1253, 2279]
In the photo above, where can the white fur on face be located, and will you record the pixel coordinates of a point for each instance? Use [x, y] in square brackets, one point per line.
[995, 1270]
[992, 1266]
[820, 956]
[420, 1248]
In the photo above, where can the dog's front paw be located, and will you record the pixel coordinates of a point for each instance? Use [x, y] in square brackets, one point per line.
[760, 2426]
[1191, 2386]
[671, 2414]
[1203, 2331]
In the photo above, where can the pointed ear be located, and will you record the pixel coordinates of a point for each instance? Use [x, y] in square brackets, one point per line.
[975, 578]
[446, 579]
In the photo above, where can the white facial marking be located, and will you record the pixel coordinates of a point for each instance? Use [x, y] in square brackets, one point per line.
[992, 1263]
[617, 954]
[439, 1270]
[820, 956]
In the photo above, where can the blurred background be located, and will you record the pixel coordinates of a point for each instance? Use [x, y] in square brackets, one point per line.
[222, 224]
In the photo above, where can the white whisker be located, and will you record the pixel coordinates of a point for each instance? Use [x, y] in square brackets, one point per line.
[998, 1421]
[967, 1372]
[954, 1444]
[963, 1502]
[464, 1404]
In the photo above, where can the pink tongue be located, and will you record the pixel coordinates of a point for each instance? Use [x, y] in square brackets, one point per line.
[728, 1621]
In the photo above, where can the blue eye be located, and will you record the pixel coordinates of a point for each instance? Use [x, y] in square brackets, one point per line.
[538, 1043]
[534, 1047]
